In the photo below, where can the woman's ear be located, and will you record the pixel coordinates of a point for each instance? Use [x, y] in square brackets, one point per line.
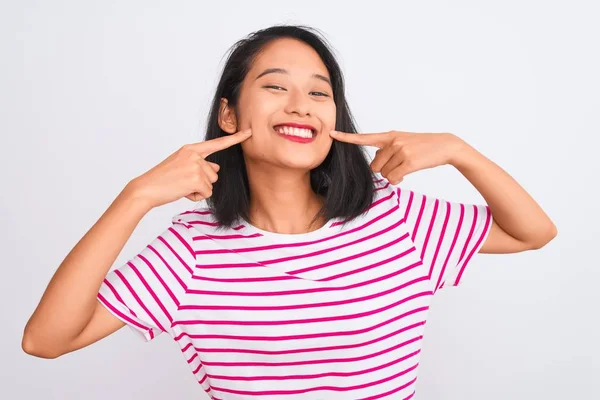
[227, 120]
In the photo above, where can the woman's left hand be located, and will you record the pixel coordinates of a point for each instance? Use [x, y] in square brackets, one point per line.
[402, 153]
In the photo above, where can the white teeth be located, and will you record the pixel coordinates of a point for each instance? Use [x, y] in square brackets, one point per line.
[288, 130]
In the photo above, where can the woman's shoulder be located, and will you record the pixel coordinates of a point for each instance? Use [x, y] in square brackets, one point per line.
[201, 219]
[384, 190]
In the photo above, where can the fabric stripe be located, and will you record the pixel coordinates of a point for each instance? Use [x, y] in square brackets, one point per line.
[335, 313]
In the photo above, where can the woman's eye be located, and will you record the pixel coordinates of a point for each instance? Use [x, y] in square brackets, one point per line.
[279, 88]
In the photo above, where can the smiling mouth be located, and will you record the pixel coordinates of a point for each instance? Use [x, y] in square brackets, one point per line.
[302, 132]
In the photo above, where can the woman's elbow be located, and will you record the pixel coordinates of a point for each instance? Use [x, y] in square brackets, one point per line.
[33, 348]
[546, 237]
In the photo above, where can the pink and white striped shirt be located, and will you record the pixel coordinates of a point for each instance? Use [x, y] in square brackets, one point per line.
[337, 313]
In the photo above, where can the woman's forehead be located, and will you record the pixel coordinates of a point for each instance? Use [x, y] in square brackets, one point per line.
[292, 55]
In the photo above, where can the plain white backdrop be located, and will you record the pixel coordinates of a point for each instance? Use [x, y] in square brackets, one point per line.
[95, 93]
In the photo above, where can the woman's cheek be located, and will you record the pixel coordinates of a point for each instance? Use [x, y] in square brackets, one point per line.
[254, 109]
[330, 119]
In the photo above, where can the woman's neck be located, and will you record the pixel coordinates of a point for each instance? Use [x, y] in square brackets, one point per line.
[282, 201]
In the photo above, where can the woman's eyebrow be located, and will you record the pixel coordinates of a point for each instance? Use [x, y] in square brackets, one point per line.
[285, 71]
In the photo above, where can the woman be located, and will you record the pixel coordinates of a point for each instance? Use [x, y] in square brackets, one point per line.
[306, 276]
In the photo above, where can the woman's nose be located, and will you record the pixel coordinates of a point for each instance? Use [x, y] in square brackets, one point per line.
[298, 103]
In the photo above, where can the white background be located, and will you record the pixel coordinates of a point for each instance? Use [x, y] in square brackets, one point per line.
[93, 94]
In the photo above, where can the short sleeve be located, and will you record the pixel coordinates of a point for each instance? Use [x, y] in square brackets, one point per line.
[446, 234]
[144, 292]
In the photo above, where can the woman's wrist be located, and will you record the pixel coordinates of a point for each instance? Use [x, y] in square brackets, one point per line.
[133, 195]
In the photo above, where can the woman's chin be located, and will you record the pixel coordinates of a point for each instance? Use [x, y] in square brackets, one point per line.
[295, 167]
[298, 160]
[301, 162]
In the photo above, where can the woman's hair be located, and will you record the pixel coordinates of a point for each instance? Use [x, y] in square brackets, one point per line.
[344, 179]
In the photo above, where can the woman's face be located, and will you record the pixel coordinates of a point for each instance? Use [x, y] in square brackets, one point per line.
[287, 85]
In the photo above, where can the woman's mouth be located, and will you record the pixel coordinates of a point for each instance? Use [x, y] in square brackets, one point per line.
[296, 133]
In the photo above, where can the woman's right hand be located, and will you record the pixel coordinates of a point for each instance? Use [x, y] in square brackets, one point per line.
[69, 315]
[184, 173]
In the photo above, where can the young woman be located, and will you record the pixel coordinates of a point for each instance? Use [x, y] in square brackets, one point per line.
[307, 276]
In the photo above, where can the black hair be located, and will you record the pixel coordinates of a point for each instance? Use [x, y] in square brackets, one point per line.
[344, 178]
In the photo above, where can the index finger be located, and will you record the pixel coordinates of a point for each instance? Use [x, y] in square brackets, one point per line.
[364, 139]
[212, 146]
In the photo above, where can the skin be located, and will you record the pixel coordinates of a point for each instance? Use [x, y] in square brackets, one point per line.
[518, 224]
[69, 317]
[278, 169]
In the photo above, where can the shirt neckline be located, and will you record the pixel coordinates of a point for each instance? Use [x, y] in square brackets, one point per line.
[291, 236]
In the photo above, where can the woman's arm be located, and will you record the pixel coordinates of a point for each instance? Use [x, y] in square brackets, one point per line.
[519, 223]
[68, 316]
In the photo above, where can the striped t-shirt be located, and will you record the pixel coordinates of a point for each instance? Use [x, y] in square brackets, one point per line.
[336, 313]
